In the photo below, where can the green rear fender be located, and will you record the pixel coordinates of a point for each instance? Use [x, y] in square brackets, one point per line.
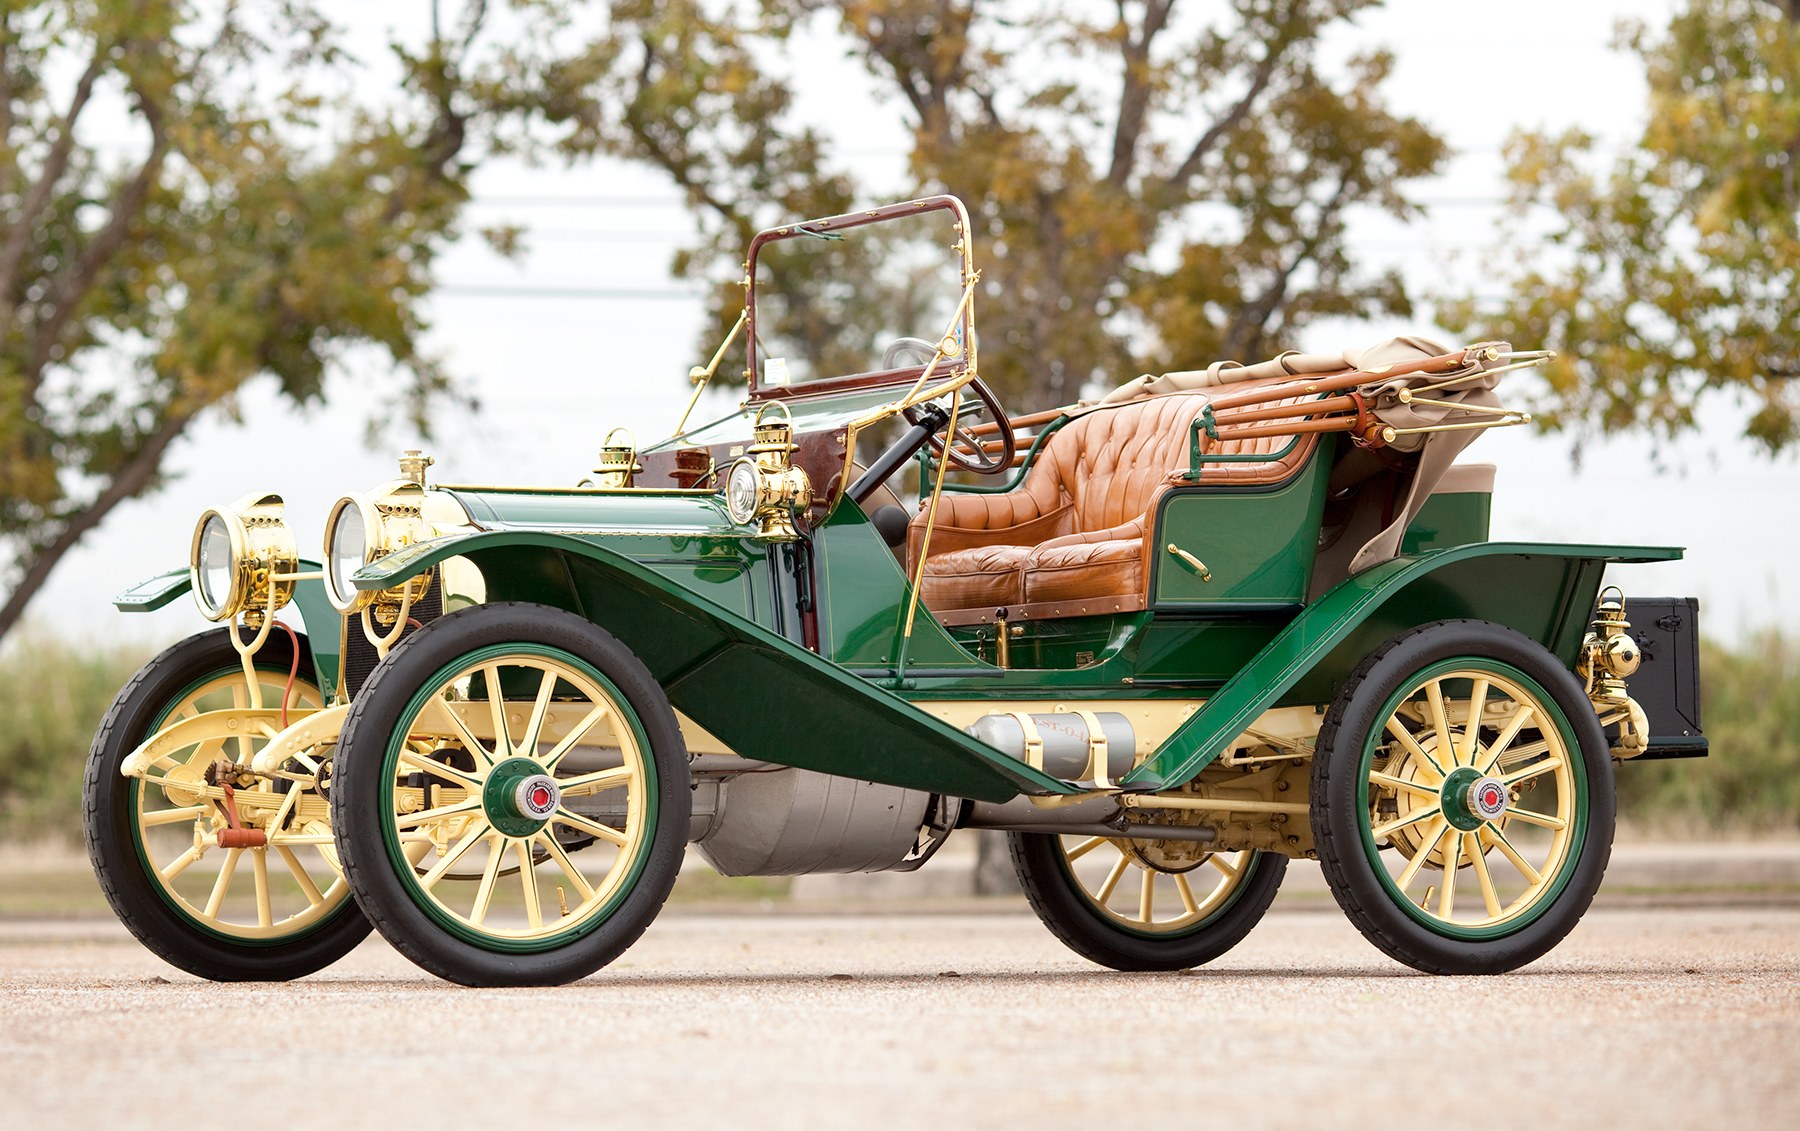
[1545, 591]
[763, 695]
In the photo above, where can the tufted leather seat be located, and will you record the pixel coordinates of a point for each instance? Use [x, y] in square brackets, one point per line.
[1072, 538]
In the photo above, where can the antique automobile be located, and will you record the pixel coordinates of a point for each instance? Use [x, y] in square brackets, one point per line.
[1166, 640]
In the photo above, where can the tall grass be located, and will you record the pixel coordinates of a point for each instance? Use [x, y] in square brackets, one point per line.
[53, 695]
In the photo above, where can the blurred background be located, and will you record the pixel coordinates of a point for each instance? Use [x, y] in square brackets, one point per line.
[264, 246]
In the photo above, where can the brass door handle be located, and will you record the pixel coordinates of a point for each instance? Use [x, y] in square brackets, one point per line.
[1198, 565]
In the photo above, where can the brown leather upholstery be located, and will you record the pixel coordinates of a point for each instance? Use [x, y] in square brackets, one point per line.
[1071, 539]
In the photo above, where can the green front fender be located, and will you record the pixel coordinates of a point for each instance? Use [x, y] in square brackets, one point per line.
[323, 624]
[763, 695]
[1545, 591]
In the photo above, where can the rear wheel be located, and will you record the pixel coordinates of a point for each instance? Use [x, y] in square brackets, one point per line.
[1463, 799]
[266, 913]
[1142, 904]
[513, 794]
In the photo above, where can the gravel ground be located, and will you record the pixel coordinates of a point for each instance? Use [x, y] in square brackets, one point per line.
[1663, 1017]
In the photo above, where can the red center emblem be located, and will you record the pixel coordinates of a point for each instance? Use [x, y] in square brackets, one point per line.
[540, 797]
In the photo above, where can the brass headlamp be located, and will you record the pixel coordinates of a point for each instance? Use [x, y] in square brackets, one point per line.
[765, 486]
[243, 560]
[618, 462]
[362, 528]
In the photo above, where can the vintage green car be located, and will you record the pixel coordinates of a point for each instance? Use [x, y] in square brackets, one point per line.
[1211, 621]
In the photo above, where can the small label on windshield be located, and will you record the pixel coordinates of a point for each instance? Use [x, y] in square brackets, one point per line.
[775, 371]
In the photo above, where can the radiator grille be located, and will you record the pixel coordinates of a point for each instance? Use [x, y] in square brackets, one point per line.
[359, 655]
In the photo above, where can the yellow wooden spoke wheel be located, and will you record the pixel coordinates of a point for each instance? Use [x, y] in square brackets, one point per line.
[512, 801]
[1462, 802]
[1139, 904]
[263, 911]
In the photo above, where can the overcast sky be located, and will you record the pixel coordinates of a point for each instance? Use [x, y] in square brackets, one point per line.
[554, 372]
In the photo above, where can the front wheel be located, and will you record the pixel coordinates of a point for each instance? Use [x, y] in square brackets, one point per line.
[1462, 799]
[267, 913]
[511, 799]
[1144, 904]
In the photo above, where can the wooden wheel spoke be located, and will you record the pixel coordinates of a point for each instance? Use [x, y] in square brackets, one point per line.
[1386, 828]
[174, 816]
[1084, 848]
[1472, 725]
[1411, 745]
[556, 853]
[222, 884]
[1112, 880]
[1186, 892]
[1434, 699]
[307, 887]
[484, 893]
[534, 912]
[425, 816]
[259, 871]
[1376, 777]
[1229, 869]
[592, 828]
[457, 851]
[1542, 820]
[1447, 898]
[1147, 897]
[179, 865]
[535, 725]
[1438, 828]
[1504, 739]
[470, 742]
[1532, 771]
[503, 747]
[438, 769]
[1485, 878]
[575, 735]
[1499, 840]
[586, 785]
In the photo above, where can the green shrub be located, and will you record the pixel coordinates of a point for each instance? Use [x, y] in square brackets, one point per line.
[56, 694]
[1750, 782]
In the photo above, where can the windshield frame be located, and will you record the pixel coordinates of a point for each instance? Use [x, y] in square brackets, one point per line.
[963, 328]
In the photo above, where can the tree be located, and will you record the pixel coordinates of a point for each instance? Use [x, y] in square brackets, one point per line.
[1672, 277]
[250, 226]
[1151, 187]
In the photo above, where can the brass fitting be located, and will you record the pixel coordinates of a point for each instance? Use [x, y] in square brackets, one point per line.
[618, 464]
[1609, 655]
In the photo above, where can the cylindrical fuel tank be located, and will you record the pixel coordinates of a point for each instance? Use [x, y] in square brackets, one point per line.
[788, 822]
[1065, 738]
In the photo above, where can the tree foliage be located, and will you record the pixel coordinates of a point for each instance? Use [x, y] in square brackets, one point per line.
[1671, 276]
[186, 205]
[1154, 183]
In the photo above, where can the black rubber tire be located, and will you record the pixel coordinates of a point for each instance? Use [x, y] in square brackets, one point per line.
[355, 797]
[1053, 893]
[1337, 830]
[121, 868]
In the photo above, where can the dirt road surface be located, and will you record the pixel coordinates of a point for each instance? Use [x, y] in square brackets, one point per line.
[1645, 1018]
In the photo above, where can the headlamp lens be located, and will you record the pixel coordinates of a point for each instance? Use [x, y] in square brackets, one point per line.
[213, 564]
[348, 551]
[741, 492]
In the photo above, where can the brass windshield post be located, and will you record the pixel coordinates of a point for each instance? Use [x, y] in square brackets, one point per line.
[701, 374]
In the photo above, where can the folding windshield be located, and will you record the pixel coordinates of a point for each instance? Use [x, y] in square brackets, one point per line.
[859, 300]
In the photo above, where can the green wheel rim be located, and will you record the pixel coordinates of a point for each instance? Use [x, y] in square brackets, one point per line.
[561, 706]
[1524, 861]
[335, 897]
